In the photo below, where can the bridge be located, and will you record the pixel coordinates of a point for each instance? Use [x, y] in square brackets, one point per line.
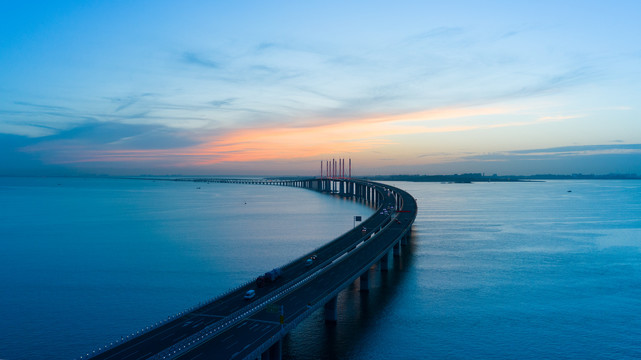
[232, 327]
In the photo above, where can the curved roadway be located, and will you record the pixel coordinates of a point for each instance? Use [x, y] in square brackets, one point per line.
[231, 327]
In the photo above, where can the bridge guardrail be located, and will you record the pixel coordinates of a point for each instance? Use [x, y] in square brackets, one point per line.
[241, 314]
[248, 310]
[311, 309]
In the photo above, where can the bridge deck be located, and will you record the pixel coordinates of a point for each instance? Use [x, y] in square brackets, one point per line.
[231, 327]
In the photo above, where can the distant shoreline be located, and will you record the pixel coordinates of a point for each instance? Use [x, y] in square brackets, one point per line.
[478, 177]
[453, 178]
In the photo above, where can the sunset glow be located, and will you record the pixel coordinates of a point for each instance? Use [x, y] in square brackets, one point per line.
[108, 88]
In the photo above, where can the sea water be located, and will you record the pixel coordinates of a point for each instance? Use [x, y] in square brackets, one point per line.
[85, 262]
[526, 270]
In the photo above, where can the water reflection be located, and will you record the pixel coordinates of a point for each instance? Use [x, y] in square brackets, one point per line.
[358, 313]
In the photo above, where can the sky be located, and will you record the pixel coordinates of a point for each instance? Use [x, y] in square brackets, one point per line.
[277, 87]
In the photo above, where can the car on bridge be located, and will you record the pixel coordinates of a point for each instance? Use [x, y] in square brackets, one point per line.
[250, 294]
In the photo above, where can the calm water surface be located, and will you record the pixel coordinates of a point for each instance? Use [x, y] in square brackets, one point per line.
[493, 271]
[86, 261]
[500, 271]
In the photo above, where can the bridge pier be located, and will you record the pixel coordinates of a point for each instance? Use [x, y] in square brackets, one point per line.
[331, 315]
[385, 262]
[275, 352]
[397, 248]
[404, 239]
[364, 281]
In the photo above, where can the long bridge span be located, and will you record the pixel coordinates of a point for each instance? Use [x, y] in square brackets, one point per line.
[231, 327]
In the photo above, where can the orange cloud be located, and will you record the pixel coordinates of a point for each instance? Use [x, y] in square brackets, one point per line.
[349, 136]
[261, 144]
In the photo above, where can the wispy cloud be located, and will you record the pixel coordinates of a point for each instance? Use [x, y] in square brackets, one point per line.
[557, 82]
[587, 159]
[196, 59]
[582, 149]
[267, 93]
[559, 152]
[264, 46]
[127, 101]
[557, 118]
[221, 103]
[442, 32]
[110, 142]
[41, 106]
[269, 143]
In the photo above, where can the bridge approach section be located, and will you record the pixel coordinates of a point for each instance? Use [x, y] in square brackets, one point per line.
[230, 327]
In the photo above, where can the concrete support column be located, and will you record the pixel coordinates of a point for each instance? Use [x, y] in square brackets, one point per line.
[331, 315]
[397, 248]
[275, 352]
[365, 281]
[405, 238]
[385, 262]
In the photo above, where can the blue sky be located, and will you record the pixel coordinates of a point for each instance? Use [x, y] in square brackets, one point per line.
[201, 87]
